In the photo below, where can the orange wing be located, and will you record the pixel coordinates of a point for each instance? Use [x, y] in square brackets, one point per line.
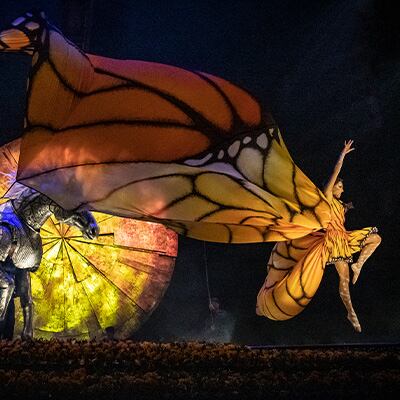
[295, 271]
[160, 143]
[124, 111]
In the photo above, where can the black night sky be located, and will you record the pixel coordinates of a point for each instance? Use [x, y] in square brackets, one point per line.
[328, 71]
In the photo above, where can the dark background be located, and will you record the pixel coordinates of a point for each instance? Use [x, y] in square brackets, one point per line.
[328, 71]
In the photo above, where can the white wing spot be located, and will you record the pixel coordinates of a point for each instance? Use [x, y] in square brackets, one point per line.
[32, 25]
[18, 21]
[262, 141]
[247, 139]
[234, 148]
[220, 154]
[195, 163]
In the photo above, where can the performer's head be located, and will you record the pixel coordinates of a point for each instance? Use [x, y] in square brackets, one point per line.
[214, 304]
[338, 188]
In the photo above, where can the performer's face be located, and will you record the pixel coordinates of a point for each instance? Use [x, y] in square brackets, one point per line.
[338, 189]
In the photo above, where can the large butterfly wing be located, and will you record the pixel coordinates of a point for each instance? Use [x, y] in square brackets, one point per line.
[90, 109]
[160, 143]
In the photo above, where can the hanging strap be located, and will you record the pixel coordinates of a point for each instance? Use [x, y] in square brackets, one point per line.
[207, 281]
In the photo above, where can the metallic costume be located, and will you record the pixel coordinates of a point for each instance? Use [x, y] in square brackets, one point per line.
[21, 245]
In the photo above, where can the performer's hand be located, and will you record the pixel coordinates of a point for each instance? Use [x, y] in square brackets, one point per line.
[347, 147]
[348, 206]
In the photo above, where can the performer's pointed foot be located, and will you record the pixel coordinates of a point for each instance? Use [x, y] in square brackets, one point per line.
[352, 317]
[356, 272]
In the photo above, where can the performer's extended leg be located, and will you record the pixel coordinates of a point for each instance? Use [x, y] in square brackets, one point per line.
[23, 288]
[344, 291]
[371, 244]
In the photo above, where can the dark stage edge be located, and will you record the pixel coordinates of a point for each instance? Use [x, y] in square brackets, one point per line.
[196, 370]
[361, 345]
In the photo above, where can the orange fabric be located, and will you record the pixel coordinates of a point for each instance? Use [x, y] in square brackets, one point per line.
[249, 112]
[295, 271]
[296, 267]
[341, 243]
[14, 39]
[97, 144]
[160, 143]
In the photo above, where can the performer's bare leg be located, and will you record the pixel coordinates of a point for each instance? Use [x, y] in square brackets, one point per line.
[371, 244]
[343, 270]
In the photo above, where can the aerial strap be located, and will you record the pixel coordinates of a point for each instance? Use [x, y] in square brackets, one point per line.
[207, 281]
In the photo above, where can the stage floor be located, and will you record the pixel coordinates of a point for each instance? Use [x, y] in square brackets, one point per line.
[146, 370]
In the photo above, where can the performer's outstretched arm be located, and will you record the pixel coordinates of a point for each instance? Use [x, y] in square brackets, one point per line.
[331, 183]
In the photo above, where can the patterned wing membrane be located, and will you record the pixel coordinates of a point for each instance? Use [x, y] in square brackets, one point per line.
[159, 143]
[163, 144]
[295, 270]
[117, 110]
[83, 287]
[246, 190]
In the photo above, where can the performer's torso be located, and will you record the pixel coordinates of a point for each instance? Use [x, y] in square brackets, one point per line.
[336, 238]
[27, 252]
[337, 213]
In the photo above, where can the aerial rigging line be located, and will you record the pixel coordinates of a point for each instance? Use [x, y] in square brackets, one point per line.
[207, 282]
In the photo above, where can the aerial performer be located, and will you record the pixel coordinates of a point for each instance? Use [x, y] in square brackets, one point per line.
[292, 261]
[162, 144]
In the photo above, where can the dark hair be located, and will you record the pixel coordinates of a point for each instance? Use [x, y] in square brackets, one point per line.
[347, 206]
[338, 179]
